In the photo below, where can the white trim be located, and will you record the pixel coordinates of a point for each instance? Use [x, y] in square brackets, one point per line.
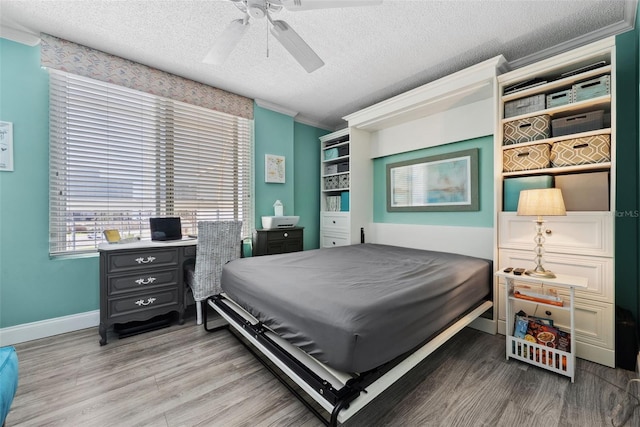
[49, 327]
[307, 121]
[466, 86]
[19, 36]
[627, 24]
[275, 107]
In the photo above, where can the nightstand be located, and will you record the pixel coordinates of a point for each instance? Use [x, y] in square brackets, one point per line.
[277, 241]
[543, 356]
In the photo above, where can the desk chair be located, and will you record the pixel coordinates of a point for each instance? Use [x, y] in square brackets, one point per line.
[218, 243]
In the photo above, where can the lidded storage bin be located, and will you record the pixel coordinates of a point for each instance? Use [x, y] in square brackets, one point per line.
[581, 151]
[557, 99]
[526, 105]
[593, 88]
[527, 129]
[526, 158]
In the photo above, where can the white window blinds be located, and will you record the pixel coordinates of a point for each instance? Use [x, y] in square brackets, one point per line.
[120, 156]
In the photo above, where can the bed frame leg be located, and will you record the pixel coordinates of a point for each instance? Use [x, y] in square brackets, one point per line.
[205, 318]
[342, 404]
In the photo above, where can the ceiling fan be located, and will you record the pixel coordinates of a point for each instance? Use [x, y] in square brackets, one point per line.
[290, 40]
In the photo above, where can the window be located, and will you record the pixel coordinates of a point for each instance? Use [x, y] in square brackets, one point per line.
[120, 156]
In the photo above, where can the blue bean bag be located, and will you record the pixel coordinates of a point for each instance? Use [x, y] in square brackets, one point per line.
[8, 379]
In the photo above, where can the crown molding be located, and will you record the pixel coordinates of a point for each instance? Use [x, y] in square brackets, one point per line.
[626, 24]
[275, 107]
[311, 122]
[19, 36]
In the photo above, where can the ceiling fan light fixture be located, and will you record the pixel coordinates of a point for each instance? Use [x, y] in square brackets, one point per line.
[226, 42]
[297, 47]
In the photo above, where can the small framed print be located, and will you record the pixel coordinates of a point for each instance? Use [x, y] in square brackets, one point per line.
[6, 146]
[274, 168]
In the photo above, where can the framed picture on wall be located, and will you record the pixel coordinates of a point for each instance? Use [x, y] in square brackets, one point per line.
[446, 182]
[274, 168]
[6, 146]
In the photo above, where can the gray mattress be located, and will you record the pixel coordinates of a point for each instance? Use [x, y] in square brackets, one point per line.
[357, 307]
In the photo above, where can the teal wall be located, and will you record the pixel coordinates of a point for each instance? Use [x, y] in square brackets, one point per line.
[34, 287]
[627, 230]
[481, 218]
[307, 182]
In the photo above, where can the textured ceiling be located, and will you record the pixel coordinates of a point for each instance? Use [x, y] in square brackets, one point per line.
[371, 53]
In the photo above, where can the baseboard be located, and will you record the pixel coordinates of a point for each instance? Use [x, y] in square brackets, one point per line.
[49, 327]
[484, 325]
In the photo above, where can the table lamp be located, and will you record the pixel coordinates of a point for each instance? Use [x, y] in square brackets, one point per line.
[542, 202]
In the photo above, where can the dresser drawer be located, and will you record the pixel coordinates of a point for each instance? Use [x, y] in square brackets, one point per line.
[598, 271]
[166, 299]
[127, 261]
[335, 221]
[331, 240]
[285, 234]
[141, 281]
[579, 233]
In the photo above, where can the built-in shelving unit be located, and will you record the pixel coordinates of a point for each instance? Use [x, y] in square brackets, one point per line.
[581, 243]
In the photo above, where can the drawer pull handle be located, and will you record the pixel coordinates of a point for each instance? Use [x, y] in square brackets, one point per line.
[548, 232]
[286, 234]
[145, 261]
[140, 302]
[334, 221]
[333, 243]
[147, 281]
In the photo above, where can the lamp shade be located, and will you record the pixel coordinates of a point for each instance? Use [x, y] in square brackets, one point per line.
[541, 202]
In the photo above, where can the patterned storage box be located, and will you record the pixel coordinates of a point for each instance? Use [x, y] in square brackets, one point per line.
[331, 182]
[525, 130]
[557, 99]
[343, 181]
[524, 105]
[579, 123]
[581, 151]
[526, 158]
[593, 88]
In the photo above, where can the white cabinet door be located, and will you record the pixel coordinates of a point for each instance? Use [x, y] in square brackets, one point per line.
[579, 233]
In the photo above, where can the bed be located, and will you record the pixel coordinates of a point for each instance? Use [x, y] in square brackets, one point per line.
[339, 321]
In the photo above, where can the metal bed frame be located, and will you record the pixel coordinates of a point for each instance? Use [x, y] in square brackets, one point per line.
[340, 394]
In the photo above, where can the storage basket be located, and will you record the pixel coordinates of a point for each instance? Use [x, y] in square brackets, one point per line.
[528, 129]
[343, 151]
[331, 182]
[343, 181]
[331, 153]
[593, 88]
[557, 99]
[526, 158]
[329, 169]
[524, 105]
[579, 123]
[581, 151]
[343, 167]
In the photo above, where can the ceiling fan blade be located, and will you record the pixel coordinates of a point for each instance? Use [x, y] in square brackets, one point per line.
[226, 42]
[297, 47]
[296, 5]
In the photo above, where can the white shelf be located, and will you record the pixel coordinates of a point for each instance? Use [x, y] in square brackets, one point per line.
[561, 169]
[556, 84]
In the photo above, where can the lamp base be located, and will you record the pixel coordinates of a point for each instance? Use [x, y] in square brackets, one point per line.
[544, 273]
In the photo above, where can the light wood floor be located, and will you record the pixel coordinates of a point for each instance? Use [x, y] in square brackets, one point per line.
[184, 376]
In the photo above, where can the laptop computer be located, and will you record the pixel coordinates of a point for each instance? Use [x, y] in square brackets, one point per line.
[165, 228]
